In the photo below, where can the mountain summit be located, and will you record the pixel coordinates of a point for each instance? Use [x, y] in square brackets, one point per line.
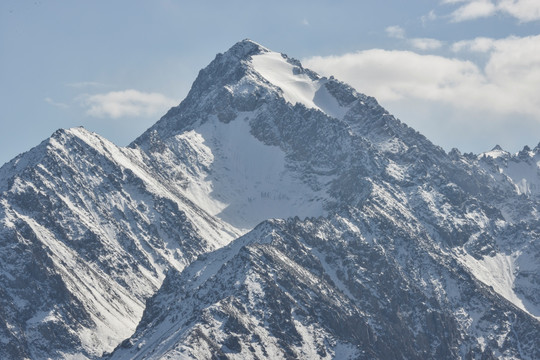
[273, 213]
[274, 138]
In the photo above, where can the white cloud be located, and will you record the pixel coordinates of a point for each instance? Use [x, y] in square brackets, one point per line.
[395, 32]
[86, 84]
[431, 16]
[57, 104]
[305, 22]
[394, 75]
[474, 10]
[454, 102]
[480, 44]
[515, 66]
[398, 32]
[453, 1]
[116, 104]
[523, 10]
[508, 84]
[426, 43]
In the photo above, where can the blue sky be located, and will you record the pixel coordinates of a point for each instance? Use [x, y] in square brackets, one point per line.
[465, 73]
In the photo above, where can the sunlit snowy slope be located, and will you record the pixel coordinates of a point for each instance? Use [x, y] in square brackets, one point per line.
[273, 213]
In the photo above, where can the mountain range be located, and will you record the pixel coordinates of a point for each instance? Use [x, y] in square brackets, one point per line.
[273, 213]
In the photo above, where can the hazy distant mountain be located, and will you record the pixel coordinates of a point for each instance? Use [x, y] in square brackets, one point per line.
[273, 214]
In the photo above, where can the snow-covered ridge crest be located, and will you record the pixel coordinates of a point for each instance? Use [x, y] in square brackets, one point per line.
[245, 77]
[522, 168]
[495, 153]
[297, 85]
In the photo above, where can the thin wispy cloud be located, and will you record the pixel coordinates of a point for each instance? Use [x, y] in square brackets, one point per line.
[480, 44]
[56, 104]
[86, 84]
[523, 10]
[474, 10]
[395, 31]
[134, 103]
[431, 16]
[426, 43]
[453, 1]
[398, 32]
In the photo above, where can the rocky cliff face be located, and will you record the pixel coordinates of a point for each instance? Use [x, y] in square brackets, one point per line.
[387, 246]
[87, 232]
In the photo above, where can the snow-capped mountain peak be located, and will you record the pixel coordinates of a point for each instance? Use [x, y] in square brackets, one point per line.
[245, 48]
[383, 245]
[240, 122]
[496, 152]
[522, 168]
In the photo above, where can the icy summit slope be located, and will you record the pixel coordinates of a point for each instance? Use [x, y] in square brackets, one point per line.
[237, 175]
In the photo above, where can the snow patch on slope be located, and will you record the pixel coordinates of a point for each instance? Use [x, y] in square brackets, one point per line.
[523, 168]
[112, 322]
[495, 153]
[297, 87]
[131, 159]
[499, 272]
[243, 181]
[525, 176]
